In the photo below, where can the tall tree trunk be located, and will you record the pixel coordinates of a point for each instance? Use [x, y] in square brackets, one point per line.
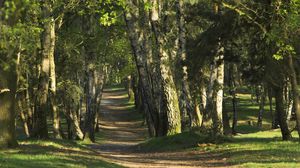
[40, 129]
[29, 110]
[209, 108]
[69, 122]
[295, 91]
[261, 106]
[217, 113]
[130, 88]
[286, 134]
[136, 93]
[100, 77]
[170, 103]
[89, 131]
[73, 120]
[235, 114]
[185, 89]
[52, 89]
[270, 97]
[20, 95]
[7, 108]
[23, 114]
[197, 111]
[74, 123]
[136, 36]
[203, 98]
[232, 85]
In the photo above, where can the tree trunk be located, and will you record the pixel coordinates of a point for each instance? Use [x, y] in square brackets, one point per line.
[295, 91]
[286, 134]
[74, 123]
[203, 98]
[197, 111]
[40, 129]
[169, 96]
[29, 110]
[261, 106]
[185, 89]
[7, 108]
[69, 123]
[130, 88]
[89, 131]
[23, 114]
[136, 36]
[170, 103]
[232, 72]
[273, 118]
[20, 95]
[232, 85]
[52, 89]
[136, 93]
[100, 77]
[217, 113]
[235, 114]
[209, 108]
[232, 91]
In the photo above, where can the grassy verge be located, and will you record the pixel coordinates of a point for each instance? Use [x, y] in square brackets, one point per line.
[51, 153]
[255, 147]
[260, 149]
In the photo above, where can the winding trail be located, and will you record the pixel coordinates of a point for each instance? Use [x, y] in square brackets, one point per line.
[121, 132]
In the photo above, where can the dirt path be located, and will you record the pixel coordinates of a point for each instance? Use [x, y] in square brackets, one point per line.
[121, 133]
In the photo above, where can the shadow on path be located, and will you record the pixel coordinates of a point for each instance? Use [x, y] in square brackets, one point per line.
[120, 133]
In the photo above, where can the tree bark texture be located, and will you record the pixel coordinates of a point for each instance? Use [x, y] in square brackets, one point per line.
[136, 36]
[286, 134]
[170, 103]
[187, 103]
[7, 108]
[295, 91]
[40, 129]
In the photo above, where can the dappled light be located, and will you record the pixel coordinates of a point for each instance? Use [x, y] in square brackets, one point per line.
[149, 83]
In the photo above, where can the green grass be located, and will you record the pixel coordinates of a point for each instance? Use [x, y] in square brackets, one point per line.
[51, 153]
[248, 111]
[255, 147]
[170, 143]
[260, 149]
[185, 140]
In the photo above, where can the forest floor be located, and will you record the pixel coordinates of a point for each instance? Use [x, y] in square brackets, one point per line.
[122, 131]
[123, 142]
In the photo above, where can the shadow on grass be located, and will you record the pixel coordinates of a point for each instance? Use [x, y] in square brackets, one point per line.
[185, 140]
[261, 156]
[236, 150]
[56, 153]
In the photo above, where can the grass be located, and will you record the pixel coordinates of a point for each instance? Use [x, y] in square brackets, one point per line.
[170, 143]
[260, 149]
[248, 111]
[52, 153]
[55, 153]
[253, 147]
